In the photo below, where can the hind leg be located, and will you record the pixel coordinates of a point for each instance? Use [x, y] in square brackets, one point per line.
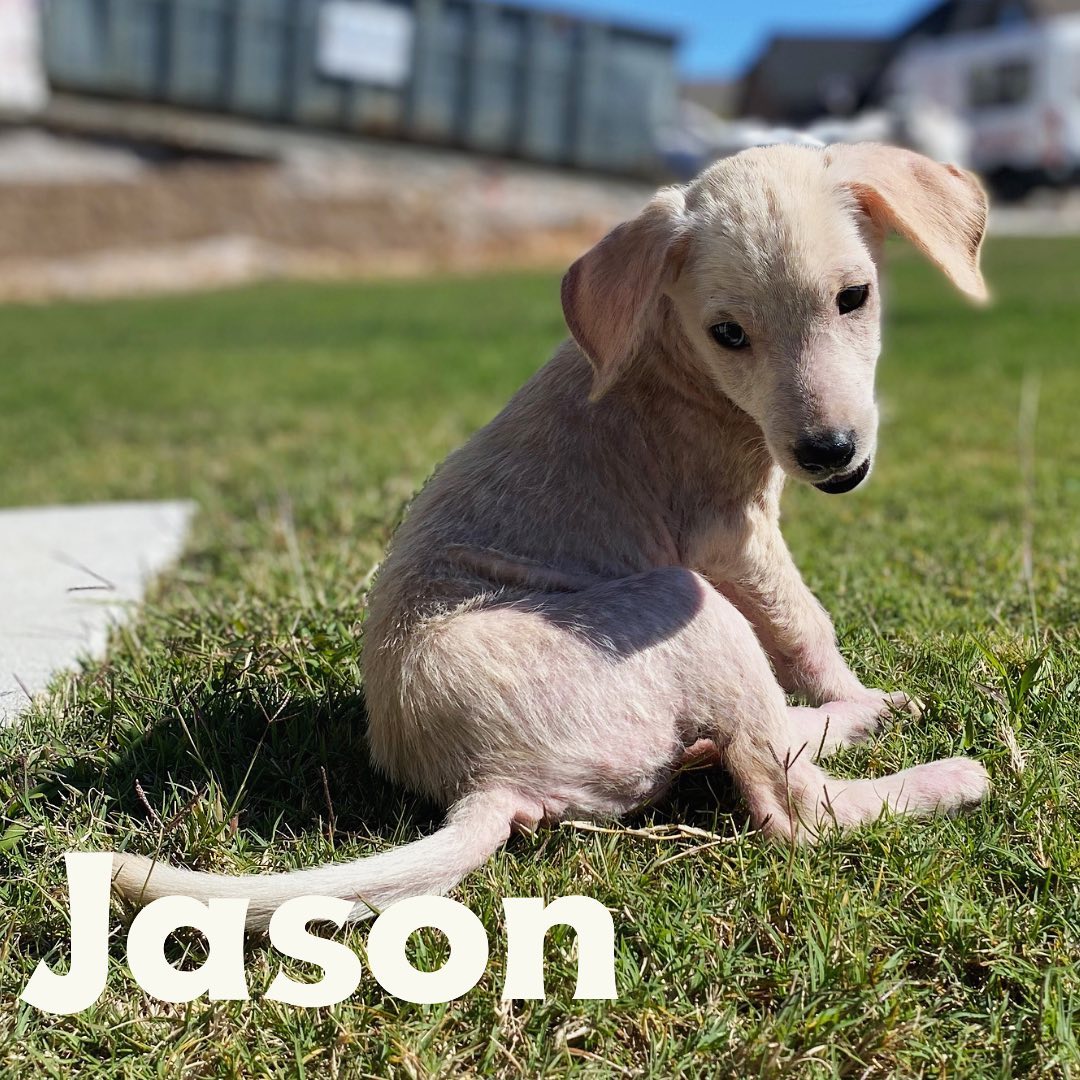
[790, 796]
[731, 697]
[771, 757]
[769, 748]
[822, 730]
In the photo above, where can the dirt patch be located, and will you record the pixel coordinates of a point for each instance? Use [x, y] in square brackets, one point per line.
[234, 260]
[201, 223]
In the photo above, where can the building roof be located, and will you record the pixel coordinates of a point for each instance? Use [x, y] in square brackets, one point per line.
[1048, 8]
[795, 79]
[956, 16]
[721, 96]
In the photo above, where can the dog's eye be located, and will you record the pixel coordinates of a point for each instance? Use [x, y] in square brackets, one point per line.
[730, 334]
[852, 298]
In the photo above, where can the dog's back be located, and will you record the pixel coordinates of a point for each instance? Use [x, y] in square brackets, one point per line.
[535, 501]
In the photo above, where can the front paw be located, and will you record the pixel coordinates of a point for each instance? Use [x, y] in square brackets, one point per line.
[892, 701]
[886, 705]
[864, 714]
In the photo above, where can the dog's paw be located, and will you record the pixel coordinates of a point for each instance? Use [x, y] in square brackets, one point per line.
[856, 720]
[885, 705]
[947, 786]
[897, 701]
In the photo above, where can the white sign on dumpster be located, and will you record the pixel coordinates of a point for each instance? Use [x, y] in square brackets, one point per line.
[365, 41]
[22, 76]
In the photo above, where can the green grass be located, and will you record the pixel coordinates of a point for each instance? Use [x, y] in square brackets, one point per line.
[302, 417]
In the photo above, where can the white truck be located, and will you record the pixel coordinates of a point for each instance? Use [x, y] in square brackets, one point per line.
[1016, 91]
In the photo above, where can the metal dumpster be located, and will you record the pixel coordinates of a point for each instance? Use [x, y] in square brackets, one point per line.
[496, 78]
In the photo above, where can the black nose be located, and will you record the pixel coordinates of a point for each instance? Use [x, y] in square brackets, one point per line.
[825, 450]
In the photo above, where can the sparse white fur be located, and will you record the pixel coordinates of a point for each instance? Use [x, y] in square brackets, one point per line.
[594, 590]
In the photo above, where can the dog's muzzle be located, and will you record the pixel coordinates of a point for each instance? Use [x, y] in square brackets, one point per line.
[849, 481]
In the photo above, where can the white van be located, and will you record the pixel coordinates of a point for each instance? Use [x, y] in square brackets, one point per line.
[1017, 91]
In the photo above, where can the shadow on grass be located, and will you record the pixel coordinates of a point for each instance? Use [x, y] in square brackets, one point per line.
[266, 739]
[251, 758]
[294, 769]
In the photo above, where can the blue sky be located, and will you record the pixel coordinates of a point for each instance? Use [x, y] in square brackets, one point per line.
[721, 36]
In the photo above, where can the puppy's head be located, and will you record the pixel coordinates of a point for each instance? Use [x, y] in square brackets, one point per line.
[768, 263]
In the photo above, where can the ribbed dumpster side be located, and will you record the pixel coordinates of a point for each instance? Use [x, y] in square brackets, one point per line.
[550, 81]
[261, 61]
[495, 78]
[200, 55]
[439, 89]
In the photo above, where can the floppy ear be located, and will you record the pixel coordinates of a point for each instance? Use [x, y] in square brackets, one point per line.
[941, 209]
[610, 293]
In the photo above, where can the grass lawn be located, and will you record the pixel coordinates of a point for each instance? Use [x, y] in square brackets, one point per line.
[226, 728]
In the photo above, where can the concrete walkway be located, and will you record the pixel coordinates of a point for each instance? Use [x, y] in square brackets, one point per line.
[69, 573]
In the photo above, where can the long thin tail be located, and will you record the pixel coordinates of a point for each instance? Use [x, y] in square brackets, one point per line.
[476, 827]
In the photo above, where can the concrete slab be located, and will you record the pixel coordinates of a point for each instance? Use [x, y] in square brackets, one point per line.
[67, 575]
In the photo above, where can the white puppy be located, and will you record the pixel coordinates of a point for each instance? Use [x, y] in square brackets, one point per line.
[594, 590]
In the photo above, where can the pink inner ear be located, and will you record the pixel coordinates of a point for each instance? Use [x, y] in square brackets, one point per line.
[611, 291]
[875, 219]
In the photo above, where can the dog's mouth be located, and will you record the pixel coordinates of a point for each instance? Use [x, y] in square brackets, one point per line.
[839, 485]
